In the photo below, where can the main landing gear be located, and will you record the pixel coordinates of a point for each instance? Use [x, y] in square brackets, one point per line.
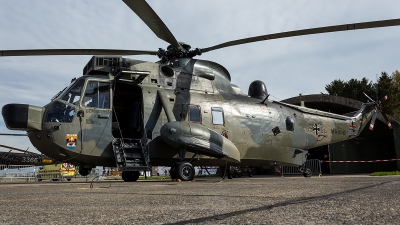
[306, 171]
[84, 171]
[130, 176]
[182, 170]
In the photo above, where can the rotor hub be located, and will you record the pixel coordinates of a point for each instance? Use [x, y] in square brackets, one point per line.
[176, 52]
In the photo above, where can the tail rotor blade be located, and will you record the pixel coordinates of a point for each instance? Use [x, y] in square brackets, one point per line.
[387, 120]
[368, 97]
[372, 124]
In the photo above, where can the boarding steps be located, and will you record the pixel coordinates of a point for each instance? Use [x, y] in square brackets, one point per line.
[131, 155]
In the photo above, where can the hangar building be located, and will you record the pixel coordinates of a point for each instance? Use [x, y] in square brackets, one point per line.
[381, 143]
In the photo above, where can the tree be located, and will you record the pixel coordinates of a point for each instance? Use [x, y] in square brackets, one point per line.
[387, 85]
[351, 89]
[335, 87]
[396, 94]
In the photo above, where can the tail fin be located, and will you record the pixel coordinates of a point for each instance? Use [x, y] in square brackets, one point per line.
[361, 118]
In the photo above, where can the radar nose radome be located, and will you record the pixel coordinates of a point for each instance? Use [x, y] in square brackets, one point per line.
[22, 117]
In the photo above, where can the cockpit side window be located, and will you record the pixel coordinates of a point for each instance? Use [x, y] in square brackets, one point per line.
[97, 95]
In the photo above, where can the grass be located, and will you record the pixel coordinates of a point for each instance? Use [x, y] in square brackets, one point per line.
[156, 177]
[390, 173]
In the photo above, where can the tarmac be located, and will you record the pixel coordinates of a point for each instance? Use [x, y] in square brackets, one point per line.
[344, 199]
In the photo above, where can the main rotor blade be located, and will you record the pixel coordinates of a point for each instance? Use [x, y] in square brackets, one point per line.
[17, 149]
[152, 20]
[2, 134]
[344, 27]
[36, 52]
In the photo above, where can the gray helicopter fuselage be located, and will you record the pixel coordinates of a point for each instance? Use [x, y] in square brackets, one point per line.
[190, 93]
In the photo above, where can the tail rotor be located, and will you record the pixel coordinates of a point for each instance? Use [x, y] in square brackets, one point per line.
[378, 108]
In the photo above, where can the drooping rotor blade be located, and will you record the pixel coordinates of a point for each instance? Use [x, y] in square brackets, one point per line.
[344, 27]
[372, 124]
[2, 134]
[387, 120]
[368, 97]
[17, 149]
[152, 20]
[37, 52]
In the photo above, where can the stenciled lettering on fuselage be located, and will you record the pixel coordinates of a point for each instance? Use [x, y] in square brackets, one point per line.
[338, 131]
[90, 121]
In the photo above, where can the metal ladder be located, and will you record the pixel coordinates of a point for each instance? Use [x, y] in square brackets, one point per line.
[131, 155]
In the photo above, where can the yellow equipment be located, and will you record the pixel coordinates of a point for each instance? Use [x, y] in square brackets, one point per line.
[56, 172]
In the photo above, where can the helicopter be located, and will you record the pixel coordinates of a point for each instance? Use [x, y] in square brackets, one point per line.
[179, 111]
[23, 157]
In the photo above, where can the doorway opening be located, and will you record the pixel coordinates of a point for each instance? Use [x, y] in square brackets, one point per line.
[127, 111]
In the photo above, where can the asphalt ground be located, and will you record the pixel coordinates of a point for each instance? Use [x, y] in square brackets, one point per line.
[357, 199]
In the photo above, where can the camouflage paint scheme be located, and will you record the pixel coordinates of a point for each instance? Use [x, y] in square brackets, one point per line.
[246, 138]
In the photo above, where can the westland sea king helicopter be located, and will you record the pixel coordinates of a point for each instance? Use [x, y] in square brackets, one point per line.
[178, 111]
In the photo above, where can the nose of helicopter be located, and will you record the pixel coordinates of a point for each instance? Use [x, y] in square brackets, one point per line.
[22, 117]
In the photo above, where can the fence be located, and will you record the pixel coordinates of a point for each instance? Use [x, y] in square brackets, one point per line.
[313, 164]
[18, 172]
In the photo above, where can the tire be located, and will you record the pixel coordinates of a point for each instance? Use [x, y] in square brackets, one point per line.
[307, 173]
[69, 179]
[130, 176]
[84, 171]
[185, 171]
[39, 180]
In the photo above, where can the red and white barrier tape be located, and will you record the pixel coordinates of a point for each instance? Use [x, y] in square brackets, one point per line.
[359, 161]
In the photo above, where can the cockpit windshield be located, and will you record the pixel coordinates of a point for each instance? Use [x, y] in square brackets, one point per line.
[63, 90]
[59, 111]
[74, 93]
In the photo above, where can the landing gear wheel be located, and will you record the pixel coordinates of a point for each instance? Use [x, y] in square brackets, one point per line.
[84, 171]
[130, 176]
[307, 173]
[185, 171]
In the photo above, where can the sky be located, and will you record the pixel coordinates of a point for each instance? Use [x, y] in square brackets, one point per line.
[288, 66]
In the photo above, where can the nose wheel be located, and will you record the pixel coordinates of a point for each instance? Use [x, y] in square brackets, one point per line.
[84, 171]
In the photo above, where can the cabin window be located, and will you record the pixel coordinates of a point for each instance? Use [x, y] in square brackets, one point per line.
[217, 116]
[194, 113]
[97, 95]
[289, 123]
